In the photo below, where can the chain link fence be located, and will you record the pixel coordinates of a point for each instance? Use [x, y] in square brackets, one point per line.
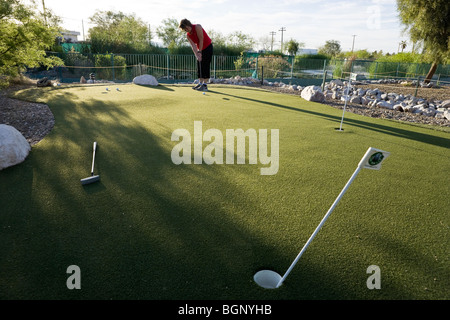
[183, 68]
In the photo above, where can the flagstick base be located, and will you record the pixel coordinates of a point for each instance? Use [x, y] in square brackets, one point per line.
[338, 129]
[267, 279]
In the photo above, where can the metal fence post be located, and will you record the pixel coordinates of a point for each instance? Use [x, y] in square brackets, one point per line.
[324, 80]
[168, 66]
[262, 75]
[215, 67]
[292, 66]
[112, 63]
[417, 86]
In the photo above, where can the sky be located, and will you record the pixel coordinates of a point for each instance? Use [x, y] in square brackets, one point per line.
[358, 24]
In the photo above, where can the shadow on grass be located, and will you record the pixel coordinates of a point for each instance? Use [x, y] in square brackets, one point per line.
[158, 87]
[136, 234]
[148, 230]
[386, 129]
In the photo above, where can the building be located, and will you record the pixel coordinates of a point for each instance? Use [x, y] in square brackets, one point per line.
[70, 36]
[307, 51]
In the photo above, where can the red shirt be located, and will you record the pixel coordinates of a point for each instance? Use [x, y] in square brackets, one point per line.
[193, 36]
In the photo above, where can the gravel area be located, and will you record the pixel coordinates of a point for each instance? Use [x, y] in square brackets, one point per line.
[33, 120]
[436, 94]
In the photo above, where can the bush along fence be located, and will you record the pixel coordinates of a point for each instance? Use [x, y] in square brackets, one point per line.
[183, 68]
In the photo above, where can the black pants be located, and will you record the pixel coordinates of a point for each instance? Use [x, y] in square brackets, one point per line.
[204, 67]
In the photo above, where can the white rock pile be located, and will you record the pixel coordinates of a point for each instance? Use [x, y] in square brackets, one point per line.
[370, 98]
[402, 82]
[375, 98]
[237, 80]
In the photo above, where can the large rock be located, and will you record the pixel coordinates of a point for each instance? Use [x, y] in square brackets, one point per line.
[355, 99]
[44, 82]
[384, 104]
[445, 104]
[145, 80]
[399, 107]
[14, 148]
[313, 93]
[447, 114]
[336, 83]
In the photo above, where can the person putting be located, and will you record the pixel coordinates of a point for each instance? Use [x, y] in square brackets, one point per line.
[203, 50]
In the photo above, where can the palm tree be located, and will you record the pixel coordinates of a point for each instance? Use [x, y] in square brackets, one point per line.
[402, 44]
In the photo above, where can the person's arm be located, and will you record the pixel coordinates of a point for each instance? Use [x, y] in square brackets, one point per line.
[199, 30]
[194, 49]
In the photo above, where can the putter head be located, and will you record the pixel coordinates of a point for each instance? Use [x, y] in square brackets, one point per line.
[90, 180]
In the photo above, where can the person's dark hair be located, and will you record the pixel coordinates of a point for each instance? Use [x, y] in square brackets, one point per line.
[185, 23]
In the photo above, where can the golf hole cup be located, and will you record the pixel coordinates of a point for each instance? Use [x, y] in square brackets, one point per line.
[267, 279]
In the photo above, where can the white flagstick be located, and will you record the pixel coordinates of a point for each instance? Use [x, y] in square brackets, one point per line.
[372, 160]
[347, 97]
[320, 225]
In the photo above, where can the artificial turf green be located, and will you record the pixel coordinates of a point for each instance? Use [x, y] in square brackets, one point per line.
[153, 230]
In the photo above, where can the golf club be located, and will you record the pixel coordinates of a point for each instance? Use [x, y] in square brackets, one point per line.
[92, 178]
[199, 66]
[200, 75]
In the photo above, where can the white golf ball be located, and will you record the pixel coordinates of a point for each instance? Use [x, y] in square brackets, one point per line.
[203, 93]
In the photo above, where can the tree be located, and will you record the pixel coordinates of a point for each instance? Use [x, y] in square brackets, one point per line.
[24, 38]
[134, 33]
[265, 43]
[428, 21]
[118, 32]
[362, 54]
[240, 41]
[217, 38]
[402, 45]
[170, 34]
[331, 48]
[220, 44]
[293, 46]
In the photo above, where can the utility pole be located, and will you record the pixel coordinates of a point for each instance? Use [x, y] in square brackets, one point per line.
[82, 26]
[353, 45]
[45, 12]
[149, 34]
[272, 33]
[283, 29]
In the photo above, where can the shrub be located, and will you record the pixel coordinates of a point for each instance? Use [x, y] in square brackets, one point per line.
[274, 66]
[105, 63]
